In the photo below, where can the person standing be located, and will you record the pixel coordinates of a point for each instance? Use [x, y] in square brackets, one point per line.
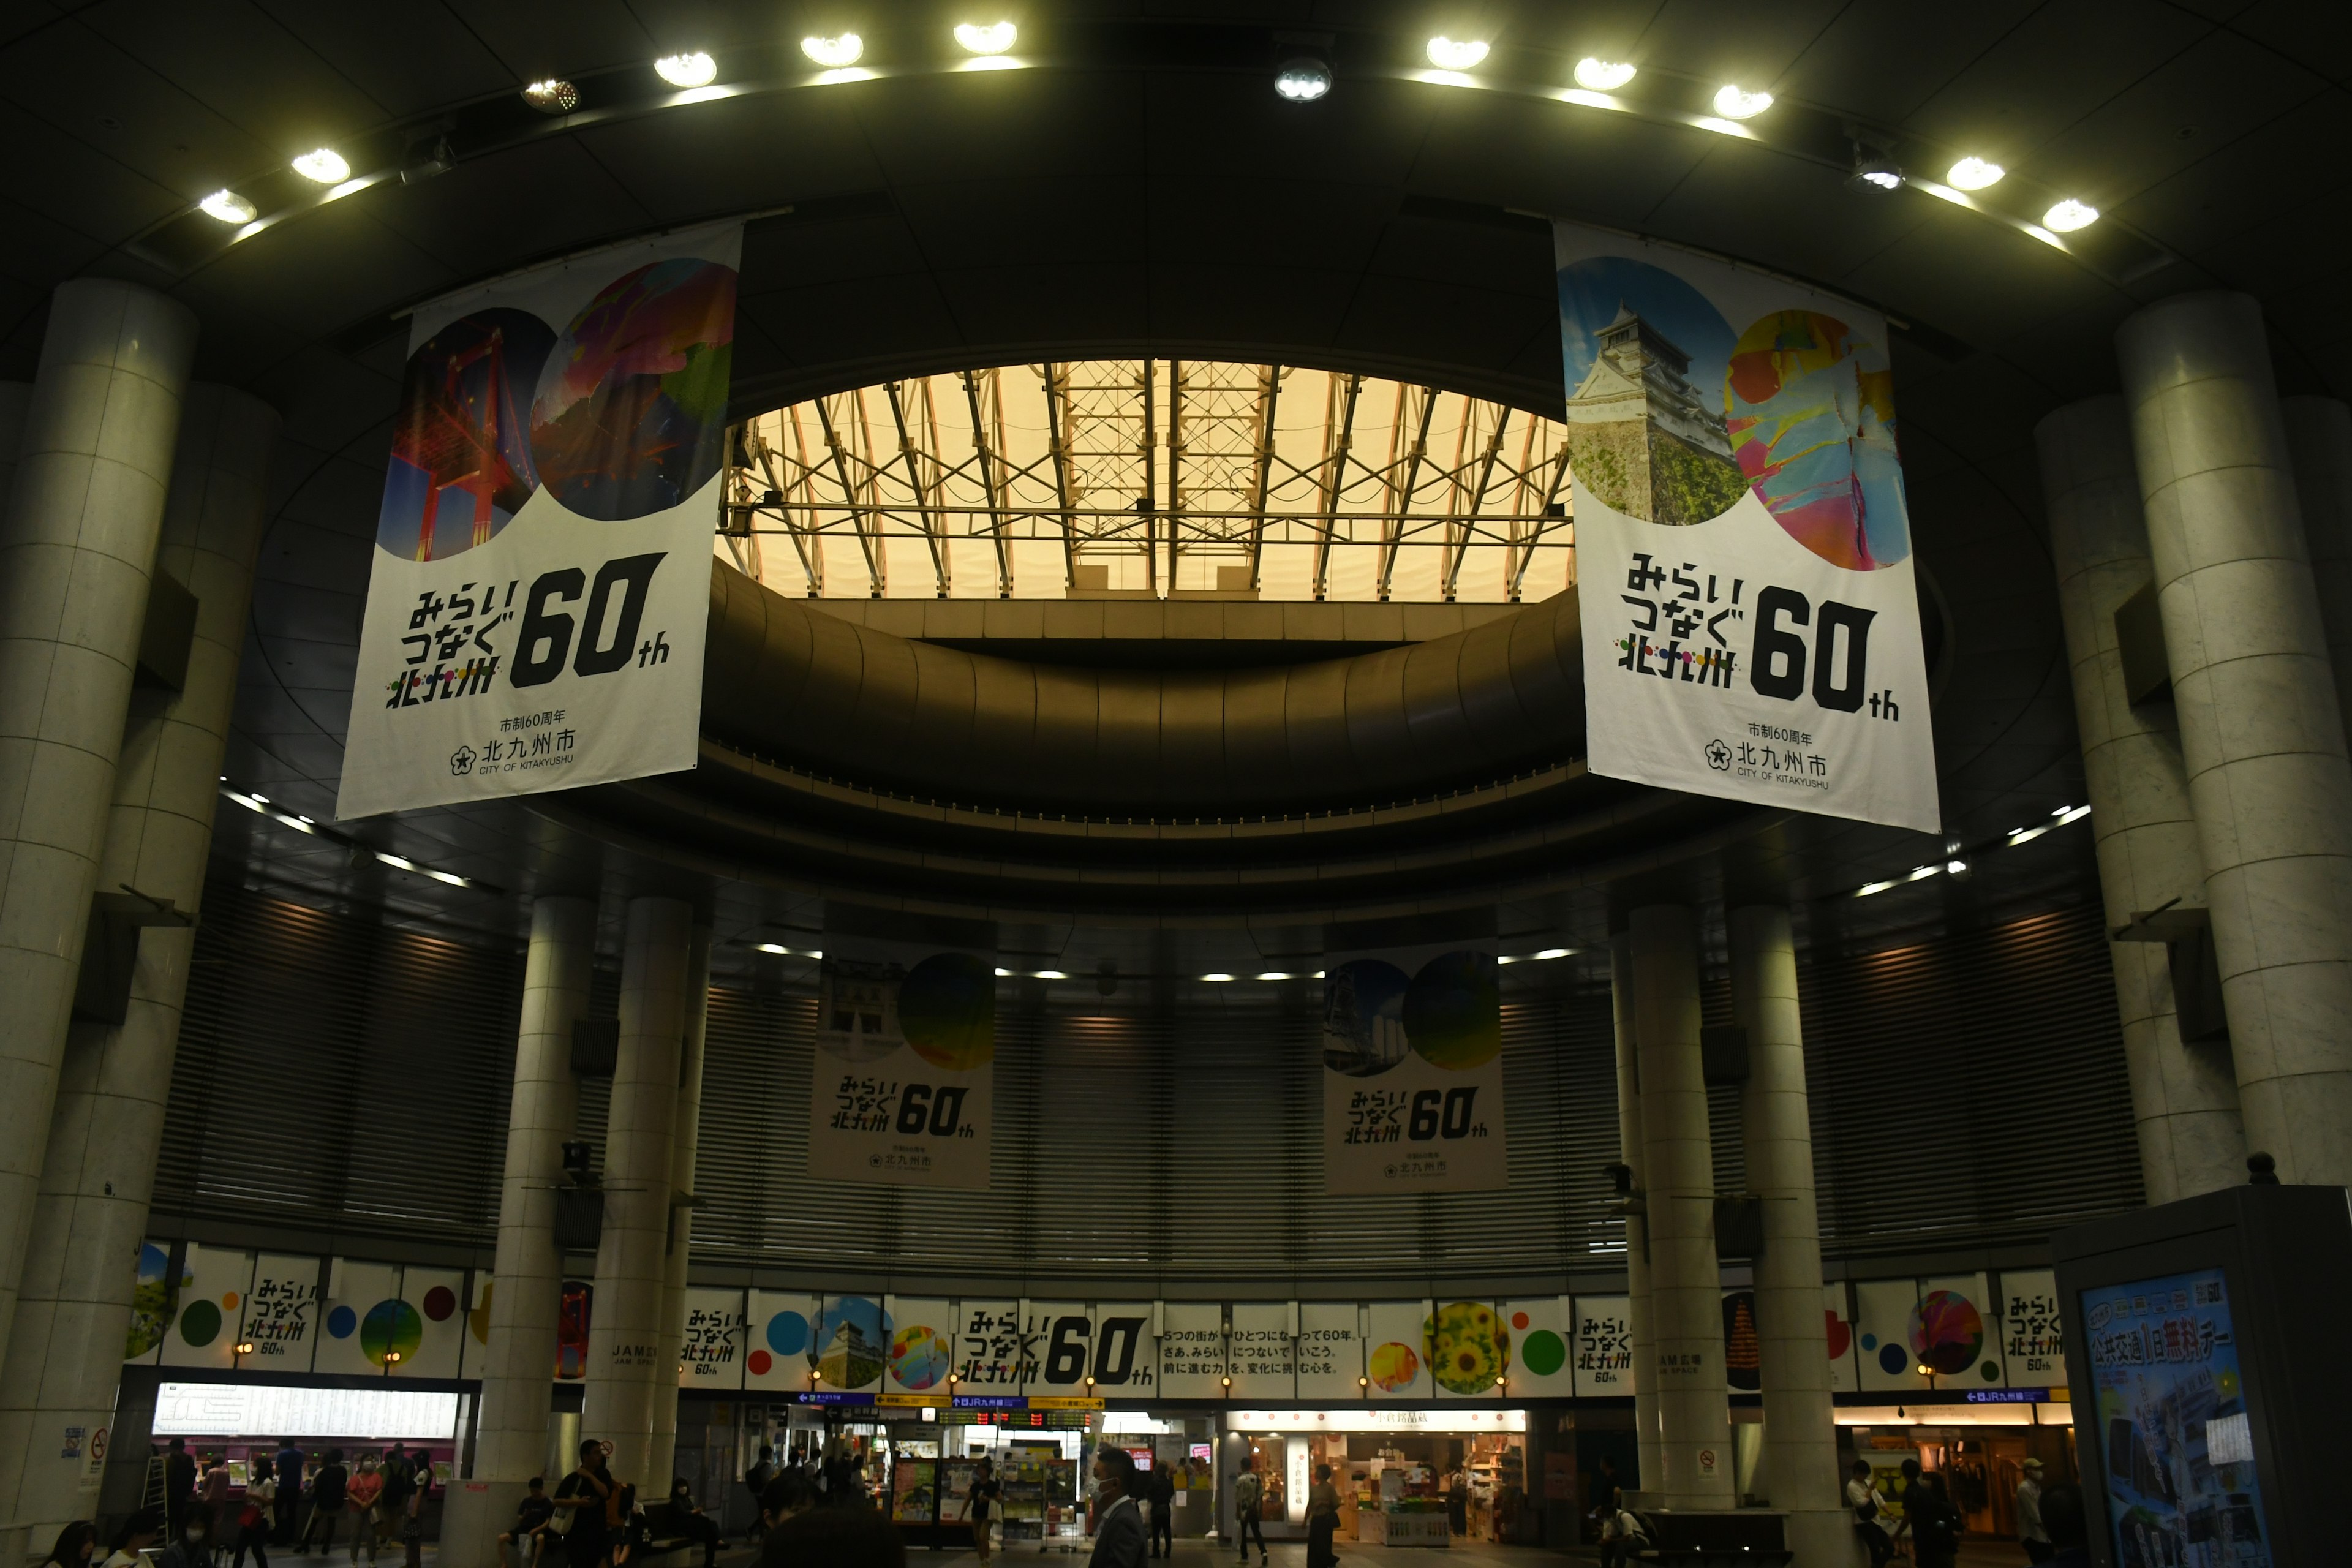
[1322, 1518]
[1249, 1496]
[1161, 1486]
[213, 1492]
[1871, 1520]
[1457, 1501]
[253, 1520]
[1119, 1521]
[980, 1504]
[328, 1483]
[2031, 1533]
[287, 1466]
[179, 1485]
[361, 1496]
[1935, 1523]
[757, 1479]
[590, 1495]
[399, 1473]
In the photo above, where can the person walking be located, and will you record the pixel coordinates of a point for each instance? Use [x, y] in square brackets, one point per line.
[2031, 1533]
[980, 1504]
[254, 1518]
[286, 1465]
[1160, 1488]
[1249, 1496]
[591, 1497]
[756, 1480]
[1935, 1523]
[327, 1484]
[1872, 1522]
[1322, 1519]
[179, 1485]
[1119, 1520]
[363, 1495]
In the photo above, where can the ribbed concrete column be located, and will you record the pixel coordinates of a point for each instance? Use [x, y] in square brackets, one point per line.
[65, 1356]
[2319, 444]
[1637, 1239]
[2184, 1098]
[685, 1142]
[1801, 1460]
[526, 1284]
[625, 1371]
[2261, 730]
[1686, 1284]
[76, 546]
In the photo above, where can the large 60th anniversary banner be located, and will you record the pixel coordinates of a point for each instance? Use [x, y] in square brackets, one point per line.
[543, 567]
[1751, 624]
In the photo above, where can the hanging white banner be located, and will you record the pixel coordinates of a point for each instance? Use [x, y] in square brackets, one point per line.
[1743, 546]
[541, 578]
[1412, 1072]
[904, 1074]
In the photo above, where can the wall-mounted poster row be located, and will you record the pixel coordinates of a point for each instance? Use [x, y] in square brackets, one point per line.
[354, 1317]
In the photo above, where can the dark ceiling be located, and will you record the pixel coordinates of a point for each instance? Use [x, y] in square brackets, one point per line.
[1142, 188]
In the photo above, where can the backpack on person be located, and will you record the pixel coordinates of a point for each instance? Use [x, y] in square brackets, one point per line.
[1247, 1492]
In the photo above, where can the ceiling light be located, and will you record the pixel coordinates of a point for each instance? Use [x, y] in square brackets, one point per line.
[1603, 76]
[1734, 104]
[2069, 216]
[323, 164]
[1273, 975]
[1216, 979]
[1869, 888]
[1049, 974]
[1956, 867]
[1449, 53]
[697, 69]
[1555, 953]
[1875, 176]
[1973, 174]
[227, 207]
[1303, 80]
[2070, 814]
[552, 96]
[992, 40]
[835, 52]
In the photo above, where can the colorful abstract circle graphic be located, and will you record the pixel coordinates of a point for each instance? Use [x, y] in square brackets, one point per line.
[1468, 1346]
[947, 1010]
[1453, 1011]
[1810, 406]
[200, 1323]
[461, 464]
[1947, 1333]
[440, 1303]
[787, 1333]
[918, 1357]
[1393, 1367]
[391, 1327]
[1543, 1352]
[341, 1323]
[631, 414]
[759, 1362]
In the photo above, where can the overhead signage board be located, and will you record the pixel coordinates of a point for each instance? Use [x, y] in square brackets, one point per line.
[1413, 1071]
[541, 577]
[1743, 544]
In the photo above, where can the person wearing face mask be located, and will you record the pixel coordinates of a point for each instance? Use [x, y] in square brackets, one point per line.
[191, 1548]
[1120, 1536]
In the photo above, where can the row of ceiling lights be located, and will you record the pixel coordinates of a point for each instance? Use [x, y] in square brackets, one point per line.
[1301, 81]
[1957, 864]
[1218, 979]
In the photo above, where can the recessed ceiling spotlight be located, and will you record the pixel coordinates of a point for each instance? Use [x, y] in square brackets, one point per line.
[695, 70]
[1734, 103]
[552, 95]
[1216, 979]
[1303, 80]
[227, 207]
[2069, 216]
[1456, 54]
[1874, 174]
[841, 50]
[1974, 175]
[323, 164]
[1603, 76]
[992, 40]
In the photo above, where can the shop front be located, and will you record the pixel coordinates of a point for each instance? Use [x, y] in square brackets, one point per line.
[1978, 1448]
[1405, 1478]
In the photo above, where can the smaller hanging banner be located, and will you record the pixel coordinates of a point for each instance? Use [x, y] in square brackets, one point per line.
[922, 1345]
[1330, 1352]
[711, 1353]
[1193, 1349]
[427, 1328]
[1396, 1362]
[780, 1329]
[2032, 1336]
[1413, 1071]
[852, 1344]
[1604, 1346]
[212, 1285]
[904, 1084]
[1882, 1326]
[1956, 1329]
[1468, 1347]
[1837, 1320]
[993, 1355]
[1542, 1329]
[282, 1314]
[1260, 1351]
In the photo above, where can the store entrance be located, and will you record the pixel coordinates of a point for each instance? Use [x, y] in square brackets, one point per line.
[1404, 1478]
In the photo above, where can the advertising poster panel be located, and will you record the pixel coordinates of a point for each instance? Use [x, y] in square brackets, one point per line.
[1604, 1346]
[1413, 1071]
[1260, 1351]
[1396, 1359]
[903, 1081]
[1193, 1349]
[710, 1354]
[542, 577]
[1330, 1352]
[2033, 1330]
[1543, 1328]
[1743, 544]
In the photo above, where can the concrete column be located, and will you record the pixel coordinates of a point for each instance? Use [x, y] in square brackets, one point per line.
[626, 1373]
[65, 1356]
[2319, 444]
[1637, 1238]
[2184, 1098]
[1801, 1460]
[1685, 1285]
[526, 1283]
[2260, 731]
[686, 1141]
[75, 547]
